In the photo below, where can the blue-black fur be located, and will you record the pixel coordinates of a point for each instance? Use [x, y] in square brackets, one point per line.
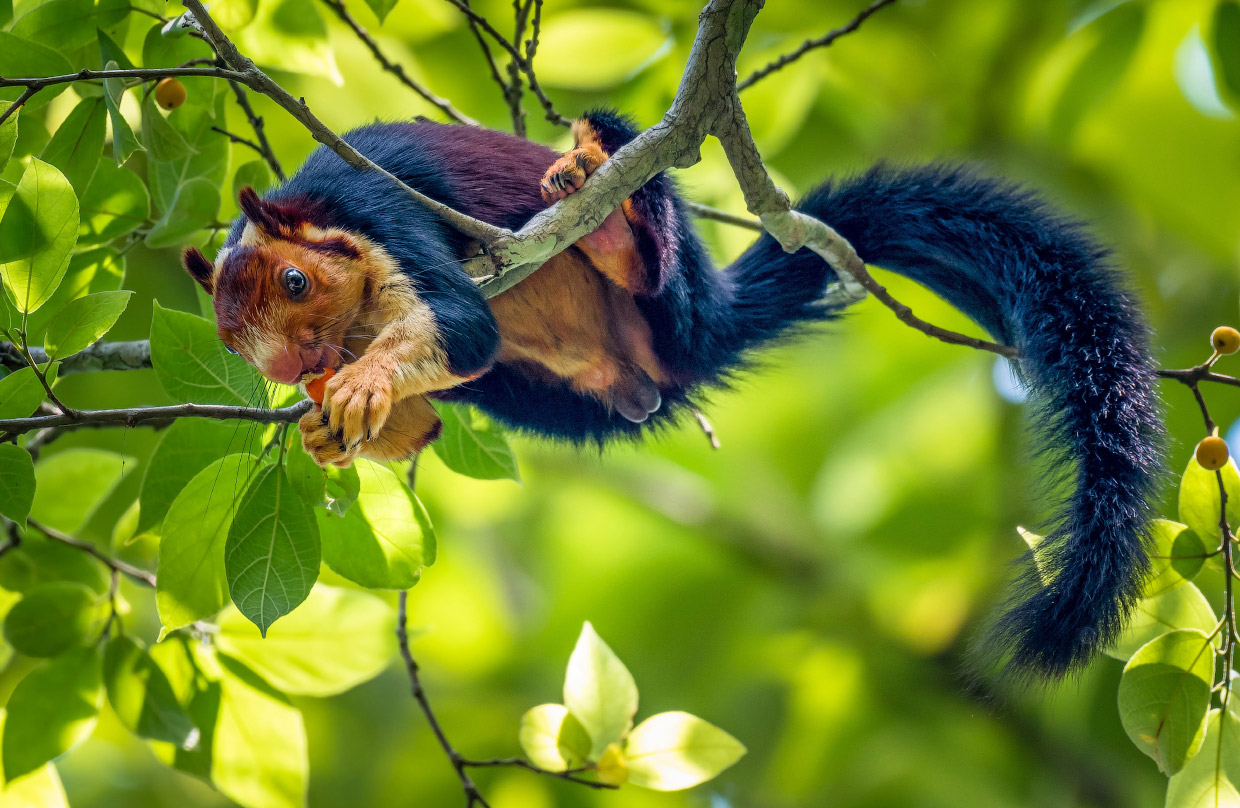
[1031, 278]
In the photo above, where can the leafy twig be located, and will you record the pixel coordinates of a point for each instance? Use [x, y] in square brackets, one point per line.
[116, 565]
[810, 44]
[260, 130]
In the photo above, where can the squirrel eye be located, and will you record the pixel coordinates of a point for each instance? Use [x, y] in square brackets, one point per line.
[296, 282]
[232, 350]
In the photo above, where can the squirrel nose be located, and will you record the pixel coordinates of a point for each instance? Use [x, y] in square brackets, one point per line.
[289, 365]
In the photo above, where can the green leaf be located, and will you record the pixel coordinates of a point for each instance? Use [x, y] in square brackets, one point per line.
[51, 618]
[39, 789]
[272, 554]
[344, 486]
[69, 24]
[52, 710]
[385, 539]
[193, 672]
[553, 739]
[82, 321]
[290, 35]
[599, 691]
[192, 365]
[190, 580]
[8, 135]
[1199, 499]
[21, 57]
[20, 393]
[208, 162]
[1181, 607]
[116, 203]
[17, 483]
[200, 91]
[597, 48]
[76, 146]
[674, 751]
[98, 270]
[194, 207]
[260, 758]
[124, 142]
[1225, 41]
[37, 234]
[381, 8]
[254, 174]
[1209, 778]
[1117, 35]
[1164, 696]
[304, 475]
[1178, 555]
[233, 15]
[474, 445]
[142, 697]
[90, 474]
[336, 640]
[45, 561]
[184, 449]
[110, 51]
[163, 143]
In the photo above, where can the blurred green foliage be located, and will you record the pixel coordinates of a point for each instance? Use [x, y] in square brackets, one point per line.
[813, 586]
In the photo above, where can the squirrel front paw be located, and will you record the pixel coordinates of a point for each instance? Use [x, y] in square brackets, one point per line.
[321, 444]
[569, 172]
[357, 402]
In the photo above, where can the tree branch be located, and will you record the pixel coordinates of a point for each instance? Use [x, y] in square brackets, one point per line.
[136, 573]
[810, 44]
[133, 355]
[441, 104]
[153, 416]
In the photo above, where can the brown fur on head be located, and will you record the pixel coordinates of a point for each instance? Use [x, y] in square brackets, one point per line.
[287, 292]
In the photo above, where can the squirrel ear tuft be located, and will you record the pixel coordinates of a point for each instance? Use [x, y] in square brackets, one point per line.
[254, 209]
[200, 269]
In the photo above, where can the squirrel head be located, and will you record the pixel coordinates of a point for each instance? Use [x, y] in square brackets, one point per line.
[286, 293]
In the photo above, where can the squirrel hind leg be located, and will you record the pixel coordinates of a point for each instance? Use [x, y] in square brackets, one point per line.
[635, 396]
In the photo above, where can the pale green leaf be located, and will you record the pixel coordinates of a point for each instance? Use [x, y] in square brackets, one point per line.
[674, 751]
[259, 751]
[1177, 556]
[8, 135]
[194, 206]
[186, 448]
[272, 553]
[115, 203]
[39, 789]
[553, 739]
[124, 141]
[1199, 499]
[90, 474]
[1181, 607]
[192, 365]
[163, 143]
[17, 482]
[82, 321]
[1164, 696]
[37, 234]
[50, 618]
[385, 538]
[337, 639]
[21, 57]
[1210, 777]
[381, 8]
[474, 445]
[594, 49]
[142, 697]
[69, 24]
[190, 580]
[52, 710]
[599, 691]
[290, 35]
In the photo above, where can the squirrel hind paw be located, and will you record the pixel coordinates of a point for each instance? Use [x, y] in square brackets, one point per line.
[636, 397]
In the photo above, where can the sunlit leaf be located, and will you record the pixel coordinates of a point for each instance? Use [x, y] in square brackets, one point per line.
[192, 365]
[50, 618]
[599, 691]
[1117, 33]
[82, 321]
[69, 24]
[1200, 503]
[596, 48]
[90, 474]
[124, 141]
[193, 207]
[260, 754]
[385, 538]
[1183, 607]
[272, 553]
[1178, 555]
[1164, 696]
[37, 234]
[142, 697]
[474, 445]
[8, 135]
[77, 144]
[674, 751]
[1210, 778]
[186, 448]
[21, 57]
[290, 35]
[52, 710]
[17, 482]
[191, 583]
[163, 143]
[20, 393]
[337, 639]
[381, 8]
[553, 739]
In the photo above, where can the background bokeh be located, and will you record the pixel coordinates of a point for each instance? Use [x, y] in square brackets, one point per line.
[813, 586]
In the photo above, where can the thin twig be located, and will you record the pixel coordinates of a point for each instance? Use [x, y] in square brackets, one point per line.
[260, 130]
[714, 214]
[487, 55]
[441, 104]
[707, 429]
[569, 775]
[810, 44]
[238, 139]
[116, 565]
[13, 106]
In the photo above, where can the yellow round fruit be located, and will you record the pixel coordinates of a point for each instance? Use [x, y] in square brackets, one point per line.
[170, 94]
[1212, 453]
[1225, 339]
[612, 768]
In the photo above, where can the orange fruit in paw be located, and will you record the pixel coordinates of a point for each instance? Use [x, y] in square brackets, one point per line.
[1225, 339]
[1212, 453]
[170, 93]
[315, 388]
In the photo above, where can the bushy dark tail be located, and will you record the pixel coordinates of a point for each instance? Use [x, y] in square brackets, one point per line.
[1039, 283]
